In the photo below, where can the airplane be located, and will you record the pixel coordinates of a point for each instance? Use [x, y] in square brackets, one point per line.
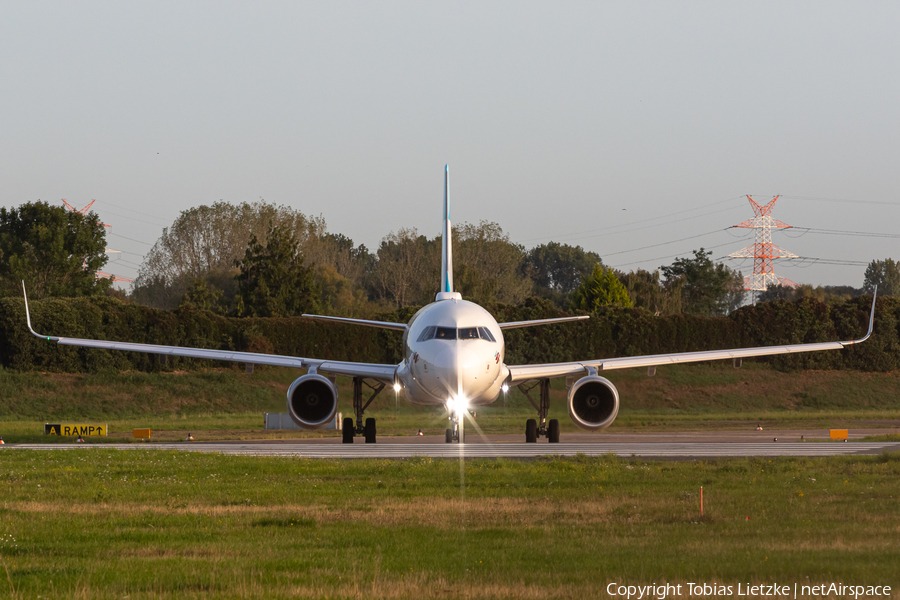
[453, 356]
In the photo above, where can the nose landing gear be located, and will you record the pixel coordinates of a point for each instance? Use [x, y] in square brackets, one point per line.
[457, 430]
[533, 430]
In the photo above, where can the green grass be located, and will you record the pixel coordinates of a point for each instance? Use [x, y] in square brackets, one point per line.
[227, 403]
[96, 523]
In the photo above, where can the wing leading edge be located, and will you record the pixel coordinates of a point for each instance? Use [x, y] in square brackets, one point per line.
[383, 373]
[521, 373]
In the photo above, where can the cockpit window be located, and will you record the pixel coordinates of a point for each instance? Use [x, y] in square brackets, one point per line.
[427, 333]
[485, 334]
[451, 333]
[445, 333]
[468, 333]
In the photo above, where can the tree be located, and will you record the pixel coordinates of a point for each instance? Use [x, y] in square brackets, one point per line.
[885, 274]
[487, 265]
[829, 294]
[407, 269]
[647, 291]
[708, 288]
[778, 292]
[558, 269]
[56, 252]
[735, 293]
[207, 240]
[202, 295]
[602, 288]
[273, 281]
[339, 297]
[336, 250]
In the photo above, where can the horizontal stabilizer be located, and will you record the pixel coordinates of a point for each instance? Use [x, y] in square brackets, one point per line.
[515, 324]
[364, 322]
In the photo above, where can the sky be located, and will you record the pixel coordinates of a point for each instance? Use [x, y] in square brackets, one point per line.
[632, 129]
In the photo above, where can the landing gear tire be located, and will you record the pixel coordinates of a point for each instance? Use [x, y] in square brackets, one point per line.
[347, 431]
[448, 436]
[369, 431]
[530, 431]
[553, 431]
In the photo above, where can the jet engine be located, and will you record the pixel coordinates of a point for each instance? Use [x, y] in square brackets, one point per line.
[593, 403]
[312, 401]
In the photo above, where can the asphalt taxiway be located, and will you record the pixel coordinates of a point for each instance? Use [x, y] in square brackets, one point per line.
[673, 445]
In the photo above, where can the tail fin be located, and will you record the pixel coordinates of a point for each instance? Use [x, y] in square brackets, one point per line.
[447, 292]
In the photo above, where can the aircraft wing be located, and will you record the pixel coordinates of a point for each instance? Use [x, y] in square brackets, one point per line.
[522, 373]
[383, 373]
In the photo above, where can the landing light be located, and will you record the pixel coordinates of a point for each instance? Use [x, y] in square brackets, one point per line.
[505, 387]
[396, 387]
[458, 404]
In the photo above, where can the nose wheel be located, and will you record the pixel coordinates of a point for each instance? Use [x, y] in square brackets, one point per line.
[540, 427]
[457, 430]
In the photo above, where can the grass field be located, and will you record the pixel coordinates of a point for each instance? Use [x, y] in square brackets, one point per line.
[98, 523]
[228, 404]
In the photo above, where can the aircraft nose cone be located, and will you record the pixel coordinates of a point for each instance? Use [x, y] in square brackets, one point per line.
[456, 367]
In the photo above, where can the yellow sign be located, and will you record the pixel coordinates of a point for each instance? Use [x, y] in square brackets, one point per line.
[140, 433]
[73, 429]
[839, 434]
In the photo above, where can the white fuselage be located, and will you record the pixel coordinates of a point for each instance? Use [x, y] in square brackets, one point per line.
[453, 349]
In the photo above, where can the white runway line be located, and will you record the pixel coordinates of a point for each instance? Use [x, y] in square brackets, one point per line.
[518, 450]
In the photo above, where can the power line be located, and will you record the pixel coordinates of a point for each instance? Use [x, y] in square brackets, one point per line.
[847, 233]
[594, 232]
[136, 212]
[797, 262]
[128, 238]
[845, 200]
[667, 243]
[105, 211]
[669, 256]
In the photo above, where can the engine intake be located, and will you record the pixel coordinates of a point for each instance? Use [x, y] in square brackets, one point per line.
[312, 401]
[593, 403]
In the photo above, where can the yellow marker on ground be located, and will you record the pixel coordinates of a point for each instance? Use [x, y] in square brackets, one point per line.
[141, 433]
[73, 429]
[839, 434]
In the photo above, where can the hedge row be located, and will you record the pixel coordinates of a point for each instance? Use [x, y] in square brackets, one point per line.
[610, 332]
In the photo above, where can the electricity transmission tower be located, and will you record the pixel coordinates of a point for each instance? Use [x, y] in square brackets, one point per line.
[84, 210]
[763, 251]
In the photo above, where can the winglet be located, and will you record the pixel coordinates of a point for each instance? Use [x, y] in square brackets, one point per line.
[28, 317]
[871, 322]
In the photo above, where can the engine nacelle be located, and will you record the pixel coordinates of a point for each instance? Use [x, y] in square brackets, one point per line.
[593, 403]
[312, 401]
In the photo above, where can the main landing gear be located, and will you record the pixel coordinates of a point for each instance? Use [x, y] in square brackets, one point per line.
[550, 429]
[349, 430]
[457, 430]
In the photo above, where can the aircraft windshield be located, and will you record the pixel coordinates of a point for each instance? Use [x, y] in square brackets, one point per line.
[445, 333]
[452, 333]
[427, 333]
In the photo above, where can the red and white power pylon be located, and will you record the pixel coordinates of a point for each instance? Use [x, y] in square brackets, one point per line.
[763, 251]
[84, 210]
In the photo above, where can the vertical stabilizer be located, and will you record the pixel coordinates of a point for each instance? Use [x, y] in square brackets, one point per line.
[446, 292]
